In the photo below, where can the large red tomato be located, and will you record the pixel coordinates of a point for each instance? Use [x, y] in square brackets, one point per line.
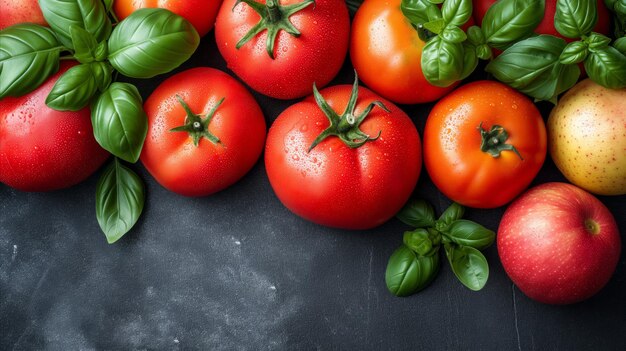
[387, 51]
[205, 132]
[484, 143]
[19, 11]
[42, 149]
[285, 67]
[336, 185]
[201, 13]
[546, 26]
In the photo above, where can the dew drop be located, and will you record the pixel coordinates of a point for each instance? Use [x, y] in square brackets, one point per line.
[514, 107]
[304, 128]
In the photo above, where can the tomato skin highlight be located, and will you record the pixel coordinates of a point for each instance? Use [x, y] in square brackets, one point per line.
[452, 144]
[201, 13]
[173, 159]
[42, 149]
[386, 51]
[316, 56]
[334, 185]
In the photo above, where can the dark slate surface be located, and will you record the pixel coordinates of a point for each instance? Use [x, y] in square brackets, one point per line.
[238, 271]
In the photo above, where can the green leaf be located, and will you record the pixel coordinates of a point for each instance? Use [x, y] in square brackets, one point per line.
[119, 122]
[419, 11]
[475, 35]
[417, 213]
[90, 15]
[575, 18]
[442, 62]
[151, 41]
[120, 198]
[29, 54]
[620, 45]
[508, 21]
[423, 242]
[108, 5]
[436, 26]
[453, 34]
[483, 52]
[574, 52]
[468, 233]
[73, 90]
[407, 273]
[452, 213]
[469, 265]
[456, 12]
[84, 44]
[597, 41]
[470, 60]
[532, 66]
[607, 67]
[102, 72]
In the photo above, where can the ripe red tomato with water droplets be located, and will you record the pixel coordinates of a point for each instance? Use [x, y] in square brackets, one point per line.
[42, 149]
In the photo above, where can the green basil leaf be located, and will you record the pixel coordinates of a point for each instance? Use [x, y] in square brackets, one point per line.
[436, 2]
[470, 60]
[475, 35]
[29, 54]
[160, 42]
[108, 5]
[468, 233]
[407, 273]
[532, 66]
[456, 12]
[119, 122]
[597, 41]
[90, 15]
[575, 18]
[574, 52]
[620, 45]
[483, 52]
[469, 265]
[73, 90]
[453, 34]
[442, 62]
[508, 21]
[417, 213]
[417, 11]
[607, 67]
[102, 73]
[454, 212]
[84, 44]
[120, 197]
[436, 26]
[422, 241]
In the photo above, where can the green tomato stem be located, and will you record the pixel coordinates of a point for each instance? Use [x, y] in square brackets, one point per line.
[197, 127]
[493, 141]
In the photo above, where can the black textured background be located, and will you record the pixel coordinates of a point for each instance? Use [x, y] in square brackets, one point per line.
[238, 271]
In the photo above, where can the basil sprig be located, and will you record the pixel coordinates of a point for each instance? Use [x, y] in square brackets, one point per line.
[415, 264]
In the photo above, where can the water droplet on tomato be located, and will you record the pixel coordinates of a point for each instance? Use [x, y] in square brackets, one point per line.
[304, 128]
[295, 157]
[514, 107]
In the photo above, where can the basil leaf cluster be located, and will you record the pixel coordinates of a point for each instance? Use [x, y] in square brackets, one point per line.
[415, 264]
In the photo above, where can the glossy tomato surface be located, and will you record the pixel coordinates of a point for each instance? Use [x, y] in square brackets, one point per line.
[201, 13]
[546, 26]
[452, 144]
[172, 157]
[19, 11]
[386, 51]
[338, 186]
[313, 57]
[42, 149]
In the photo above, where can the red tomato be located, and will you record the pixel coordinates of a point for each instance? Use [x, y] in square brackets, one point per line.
[387, 51]
[315, 56]
[18, 11]
[453, 144]
[42, 149]
[223, 138]
[333, 184]
[201, 13]
[546, 26]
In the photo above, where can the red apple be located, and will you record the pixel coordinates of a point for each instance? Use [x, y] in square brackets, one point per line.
[558, 243]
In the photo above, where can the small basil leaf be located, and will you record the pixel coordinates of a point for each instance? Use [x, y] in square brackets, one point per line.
[442, 62]
[407, 273]
[456, 12]
[108, 5]
[475, 35]
[469, 265]
[607, 67]
[160, 42]
[84, 44]
[435, 26]
[508, 21]
[597, 41]
[120, 197]
[416, 11]
[417, 213]
[532, 66]
[468, 233]
[575, 18]
[454, 212]
[29, 54]
[433, 13]
[423, 242]
[470, 60]
[119, 122]
[453, 34]
[574, 52]
[483, 52]
[90, 15]
[73, 90]
[436, 2]
[620, 45]
[102, 72]
[101, 52]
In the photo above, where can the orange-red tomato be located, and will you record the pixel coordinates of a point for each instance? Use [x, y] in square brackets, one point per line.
[453, 144]
[201, 13]
[386, 51]
[18, 11]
